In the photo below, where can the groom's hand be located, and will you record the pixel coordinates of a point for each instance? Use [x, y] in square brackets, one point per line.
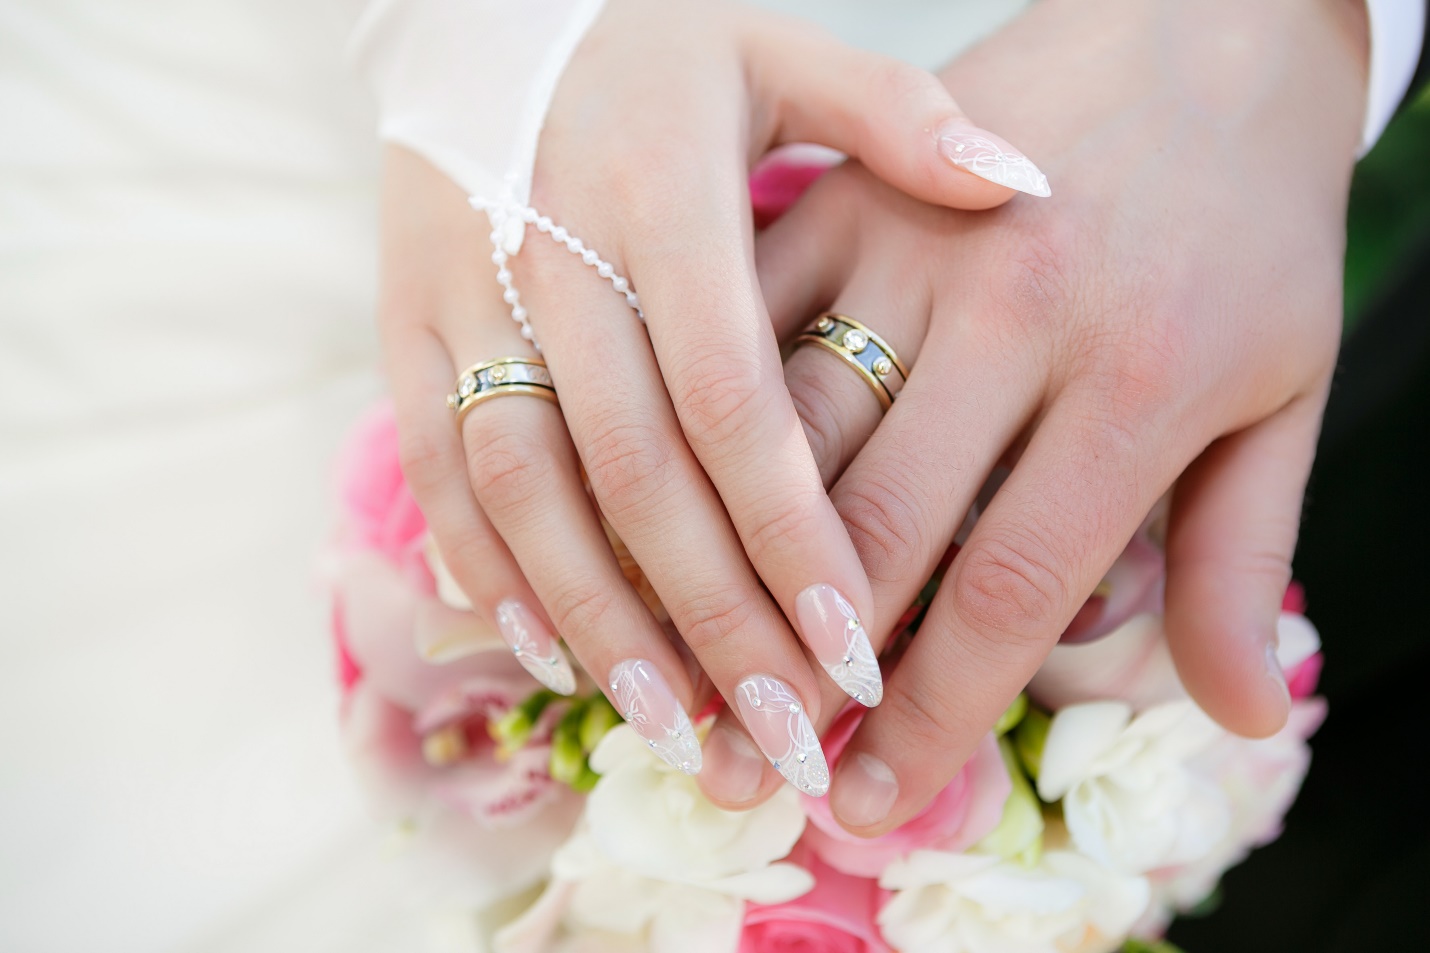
[1172, 313]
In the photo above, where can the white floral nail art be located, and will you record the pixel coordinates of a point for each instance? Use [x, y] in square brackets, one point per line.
[535, 648]
[996, 163]
[777, 721]
[646, 702]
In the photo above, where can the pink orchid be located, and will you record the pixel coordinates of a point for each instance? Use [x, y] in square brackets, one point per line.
[963, 813]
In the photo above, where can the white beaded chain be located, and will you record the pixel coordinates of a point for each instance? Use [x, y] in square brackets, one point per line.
[509, 220]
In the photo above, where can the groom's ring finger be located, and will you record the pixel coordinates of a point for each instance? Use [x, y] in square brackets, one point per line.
[862, 350]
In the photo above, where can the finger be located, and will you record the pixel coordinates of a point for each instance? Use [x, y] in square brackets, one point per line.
[897, 119]
[838, 407]
[721, 365]
[1235, 516]
[652, 490]
[804, 258]
[434, 467]
[1048, 536]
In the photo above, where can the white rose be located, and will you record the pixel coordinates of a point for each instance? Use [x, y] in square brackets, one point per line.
[656, 866]
[975, 903]
[1130, 798]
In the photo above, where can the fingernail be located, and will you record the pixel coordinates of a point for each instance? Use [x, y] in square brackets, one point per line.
[645, 701]
[834, 633]
[989, 157]
[534, 647]
[1274, 670]
[777, 721]
[736, 767]
[865, 791]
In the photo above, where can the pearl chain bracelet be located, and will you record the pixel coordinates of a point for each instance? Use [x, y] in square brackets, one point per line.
[509, 221]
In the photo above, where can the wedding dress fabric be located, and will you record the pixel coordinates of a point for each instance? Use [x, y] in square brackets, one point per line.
[187, 259]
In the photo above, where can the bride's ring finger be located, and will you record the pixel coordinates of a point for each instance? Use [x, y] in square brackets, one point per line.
[527, 479]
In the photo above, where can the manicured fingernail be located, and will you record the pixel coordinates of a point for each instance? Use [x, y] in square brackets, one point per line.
[736, 767]
[777, 721]
[534, 647]
[864, 792]
[646, 702]
[989, 157]
[834, 633]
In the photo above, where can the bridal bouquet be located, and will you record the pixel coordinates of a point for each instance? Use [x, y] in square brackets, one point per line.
[1103, 804]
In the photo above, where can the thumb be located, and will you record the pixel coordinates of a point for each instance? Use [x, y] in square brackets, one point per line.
[897, 119]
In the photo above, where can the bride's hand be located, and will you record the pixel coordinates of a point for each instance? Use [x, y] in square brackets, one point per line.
[688, 436]
[1171, 314]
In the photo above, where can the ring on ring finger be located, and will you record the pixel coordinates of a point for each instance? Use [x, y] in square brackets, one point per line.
[500, 377]
[877, 363]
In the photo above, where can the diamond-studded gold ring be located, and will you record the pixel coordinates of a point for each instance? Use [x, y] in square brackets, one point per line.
[497, 378]
[862, 350]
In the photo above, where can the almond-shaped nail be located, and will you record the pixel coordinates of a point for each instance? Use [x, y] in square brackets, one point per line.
[777, 721]
[645, 701]
[976, 150]
[534, 647]
[834, 633]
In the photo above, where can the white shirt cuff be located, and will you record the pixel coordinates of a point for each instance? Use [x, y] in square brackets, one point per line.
[1397, 28]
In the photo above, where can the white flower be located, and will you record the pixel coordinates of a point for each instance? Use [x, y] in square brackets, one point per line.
[974, 903]
[1130, 798]
[655, 866]
[1261, 778]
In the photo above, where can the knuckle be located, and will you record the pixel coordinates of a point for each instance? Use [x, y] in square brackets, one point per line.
[628, 463]
[581, 606]
[506, 467]
[1035, 278]
[1010, 588]
[711, 617]
[721, 396]
[420, 457]
[885, 526]
[797, 527]
[927, 717]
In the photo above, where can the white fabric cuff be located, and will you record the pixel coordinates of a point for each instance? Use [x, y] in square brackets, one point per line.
[1397, 28]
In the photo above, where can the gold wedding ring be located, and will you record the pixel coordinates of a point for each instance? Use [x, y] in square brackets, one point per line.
[497, 378]
[862, 350]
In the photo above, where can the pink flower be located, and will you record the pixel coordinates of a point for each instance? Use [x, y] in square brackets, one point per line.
[963, 813]
[837, 916]
[378, 509]
[783, 176]
[1132, 586]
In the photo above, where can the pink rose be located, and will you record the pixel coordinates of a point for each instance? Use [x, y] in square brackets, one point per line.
[378, 509]
[963, 813]
[837, 916]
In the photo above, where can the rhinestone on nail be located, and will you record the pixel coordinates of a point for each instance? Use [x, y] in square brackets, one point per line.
[855, 340]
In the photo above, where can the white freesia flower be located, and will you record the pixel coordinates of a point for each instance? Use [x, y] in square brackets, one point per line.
[1130, 797]
[656, 866]
[1261, 778]
[976, 903]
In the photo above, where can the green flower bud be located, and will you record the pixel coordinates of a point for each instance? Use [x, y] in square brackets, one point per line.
[1019, 835]
[513, 730]
[1029, 739]
[600, 718]
[1012, 716]
[568, 758]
